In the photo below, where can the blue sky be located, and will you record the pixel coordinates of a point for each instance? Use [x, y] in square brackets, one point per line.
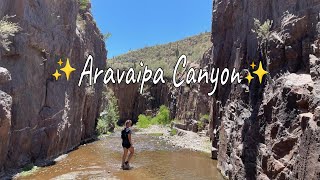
[135, 24]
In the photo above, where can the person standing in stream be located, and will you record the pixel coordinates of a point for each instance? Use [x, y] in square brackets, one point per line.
[127, 145]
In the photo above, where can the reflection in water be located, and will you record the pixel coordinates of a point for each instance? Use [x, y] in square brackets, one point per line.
[154, 159]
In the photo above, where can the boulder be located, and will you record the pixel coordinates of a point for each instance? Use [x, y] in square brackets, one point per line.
[5, 75]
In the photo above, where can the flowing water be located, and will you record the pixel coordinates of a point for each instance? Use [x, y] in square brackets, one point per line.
[154, 159]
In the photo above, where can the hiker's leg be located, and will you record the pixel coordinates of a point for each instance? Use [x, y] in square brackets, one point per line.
[131, 149]
[124, 156]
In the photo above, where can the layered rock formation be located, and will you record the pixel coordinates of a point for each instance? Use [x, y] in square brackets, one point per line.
[269, 130]
[41, 117]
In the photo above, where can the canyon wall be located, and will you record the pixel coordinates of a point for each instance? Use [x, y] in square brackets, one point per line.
[190, 104]
[41, 117]
[131, 103]
[269, 130]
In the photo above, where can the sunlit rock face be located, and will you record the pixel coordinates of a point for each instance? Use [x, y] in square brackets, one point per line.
[46, 117]
[272, 131]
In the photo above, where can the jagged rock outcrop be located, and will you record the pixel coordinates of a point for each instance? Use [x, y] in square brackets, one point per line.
[5, 118]
[47, 117]
[272, 131]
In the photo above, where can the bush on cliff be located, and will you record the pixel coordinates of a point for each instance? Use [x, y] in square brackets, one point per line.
[263, 32]
[109, 116]
[7, 29]
[84, 4]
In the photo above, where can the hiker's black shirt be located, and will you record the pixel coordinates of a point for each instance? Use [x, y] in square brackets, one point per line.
[125, 137]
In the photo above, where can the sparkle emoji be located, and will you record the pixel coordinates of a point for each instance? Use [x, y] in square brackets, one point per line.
[253, 65]
[249, 77]
[260, 72]
[68, 69]
[60, 62]
[56, 75]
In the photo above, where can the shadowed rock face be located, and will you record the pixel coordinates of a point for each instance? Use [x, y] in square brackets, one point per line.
[131, 103]
[273, 131]
[5, 118]
[47, 117]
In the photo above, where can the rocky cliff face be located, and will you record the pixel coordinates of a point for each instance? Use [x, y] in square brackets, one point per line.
[190, 104]
[40, 117]
[272, 131]
[131, 103]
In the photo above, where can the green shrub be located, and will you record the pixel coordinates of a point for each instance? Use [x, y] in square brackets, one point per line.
[109, 117]
[204, 118]
[262, 29]
[200, 125]
[7, 29]
[164, 115]
[143, 121]
[28, 170]
[102, 126]
[154, 121]
[84, 4]
[173, 132]
[263, 32]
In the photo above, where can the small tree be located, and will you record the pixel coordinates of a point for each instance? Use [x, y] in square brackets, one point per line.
[110, 115]
[263, 34]
[164, 115]
[7, 29]
[106, 36]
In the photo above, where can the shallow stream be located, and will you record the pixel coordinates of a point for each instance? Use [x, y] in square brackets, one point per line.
[154, 159]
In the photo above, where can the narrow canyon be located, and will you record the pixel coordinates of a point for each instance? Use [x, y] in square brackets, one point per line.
[258, 130]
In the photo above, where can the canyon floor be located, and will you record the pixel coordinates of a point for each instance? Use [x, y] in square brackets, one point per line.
[158, 156]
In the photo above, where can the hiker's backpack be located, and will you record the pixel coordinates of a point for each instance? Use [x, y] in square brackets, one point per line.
[123, 134]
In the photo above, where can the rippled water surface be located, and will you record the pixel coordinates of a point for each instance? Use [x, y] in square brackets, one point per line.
[154, 159]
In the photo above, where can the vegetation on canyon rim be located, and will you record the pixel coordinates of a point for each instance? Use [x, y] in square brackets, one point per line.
[84, 4]
[164, 56]
[7, 29]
